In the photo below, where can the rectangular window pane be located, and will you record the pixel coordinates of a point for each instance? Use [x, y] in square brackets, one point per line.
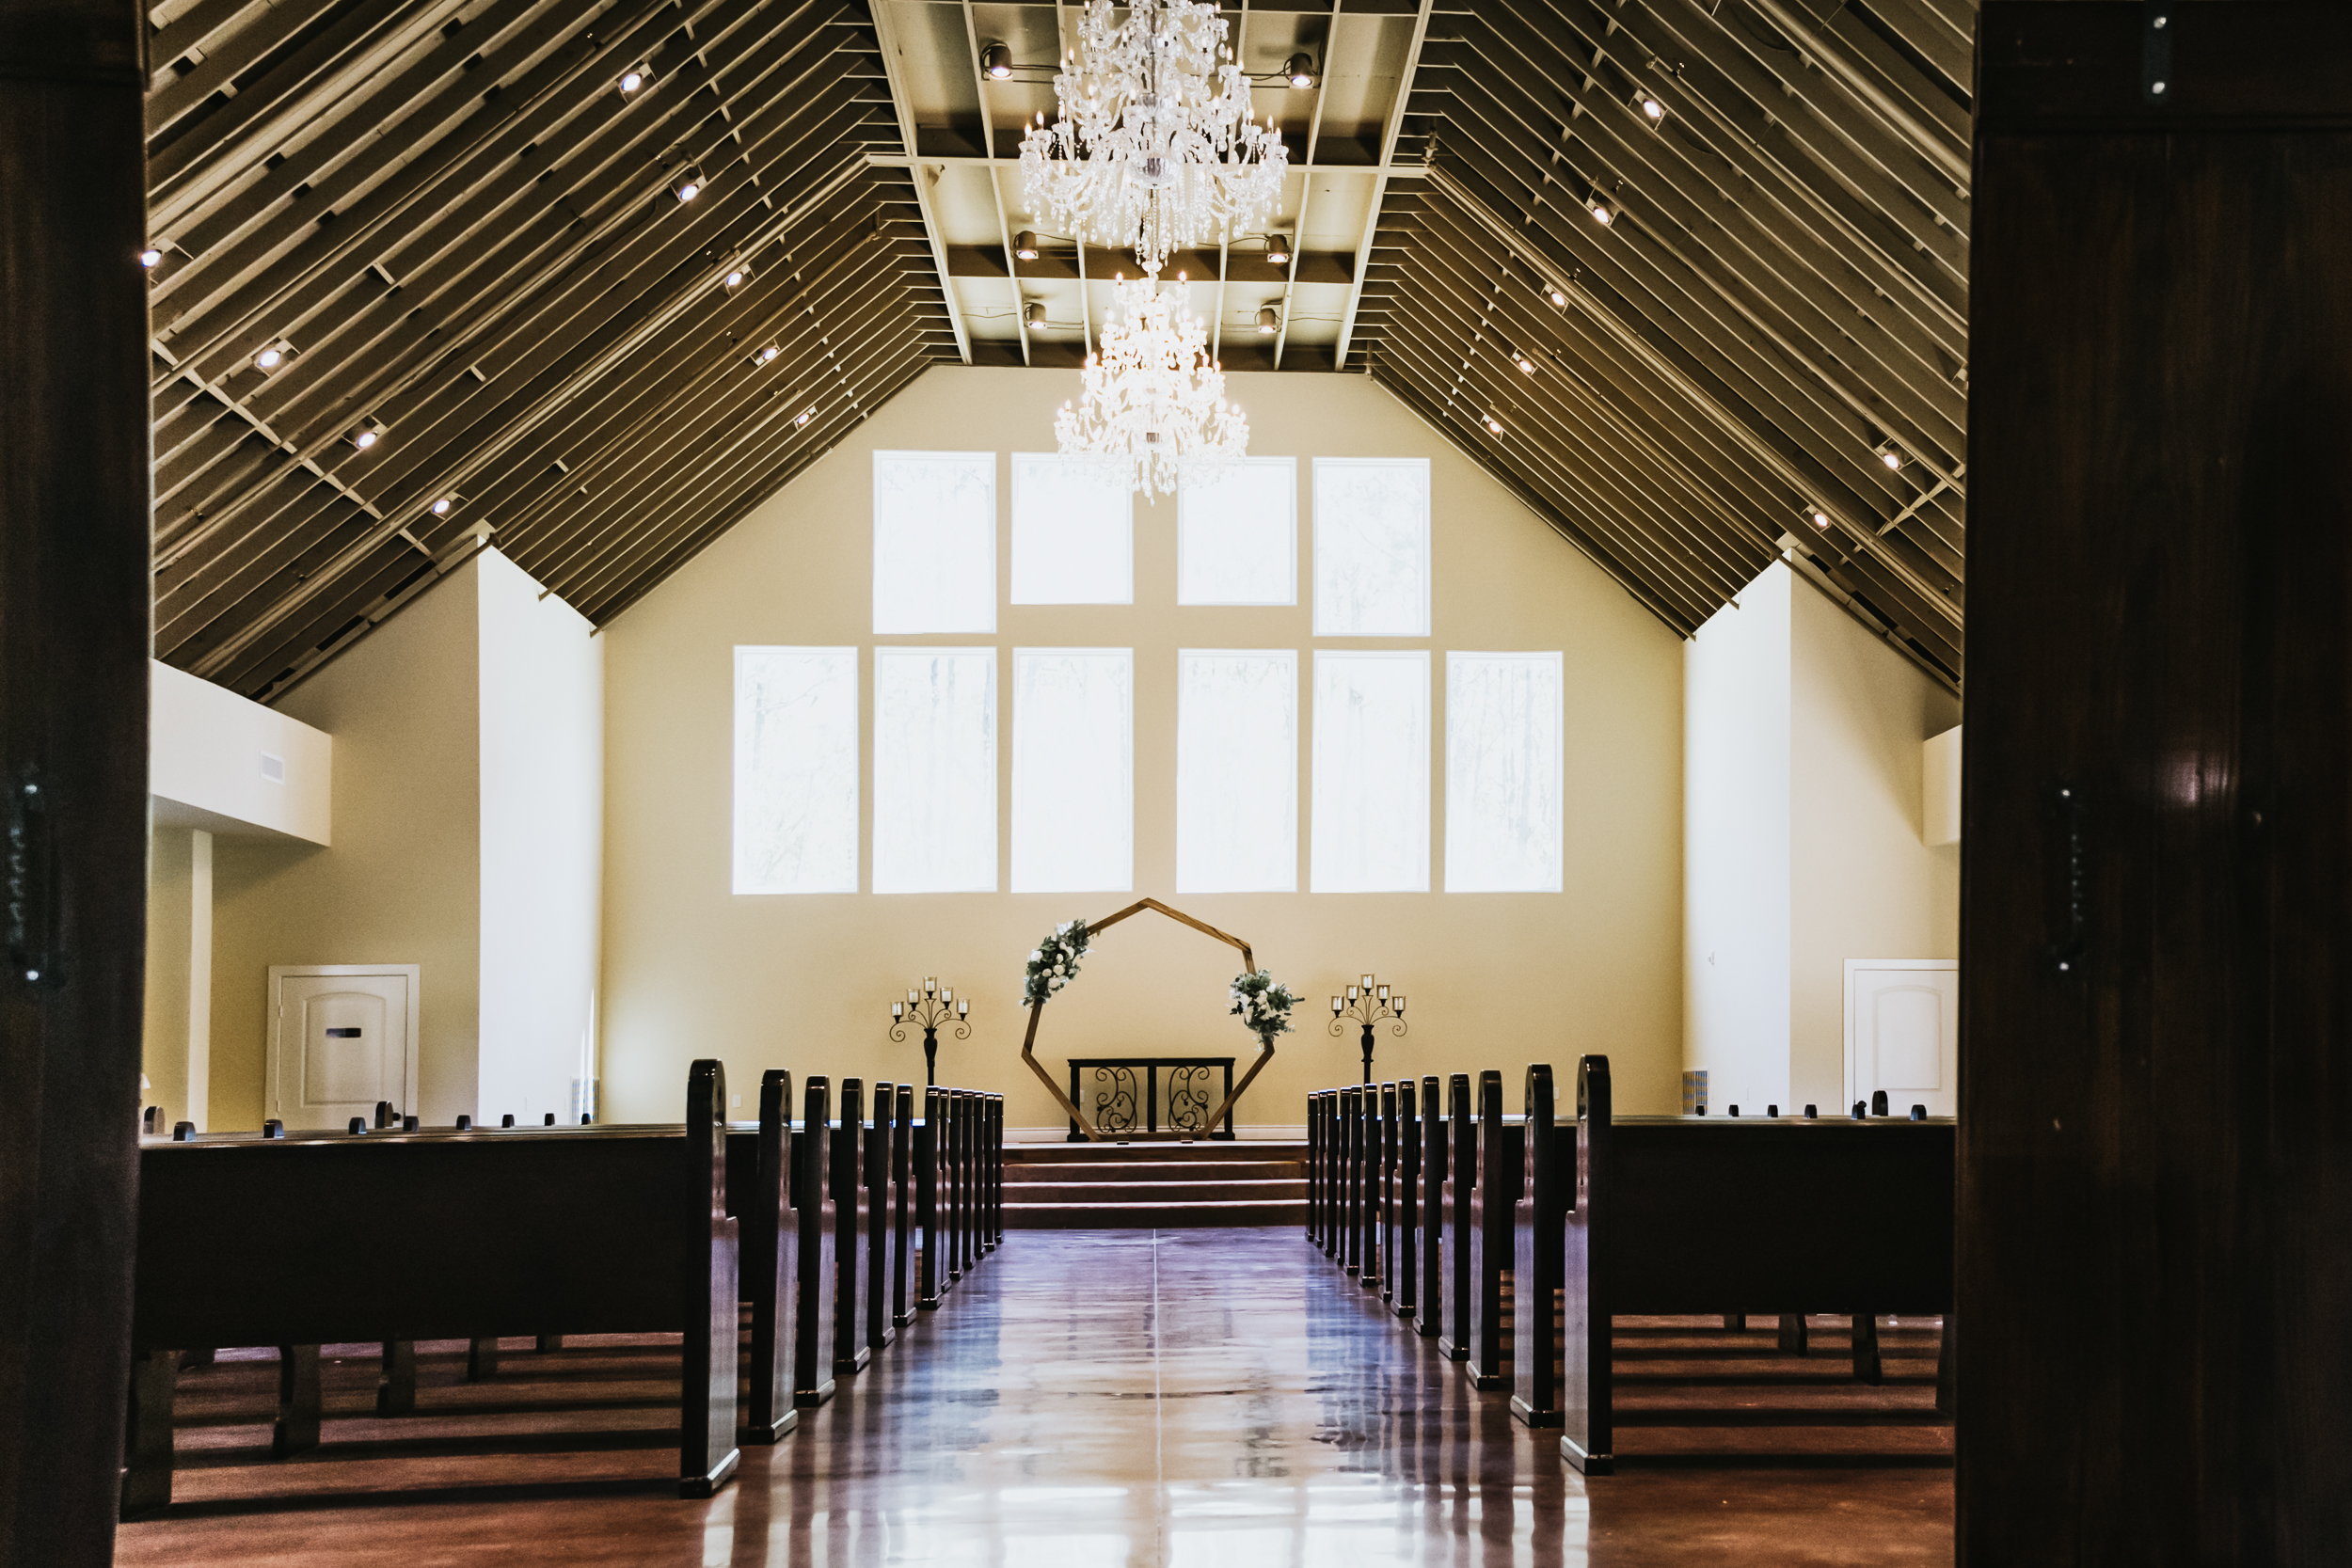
[1371, 832]
[1503, 765]
[1073, 531]
[934, 769]
[1236, 770]
[934, 541]
[1073, 797]
[1237, 533]
[796, 769]
[1371, 546]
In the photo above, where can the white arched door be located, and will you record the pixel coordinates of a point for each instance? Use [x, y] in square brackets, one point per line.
[1902, 1033]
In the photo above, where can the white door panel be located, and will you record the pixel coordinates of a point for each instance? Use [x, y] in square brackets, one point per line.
[1902, 1033]
[343, 1036]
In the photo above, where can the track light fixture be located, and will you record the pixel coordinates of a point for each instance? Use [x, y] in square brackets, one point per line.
[366, 434]
[1494, 426]
[1557, 297]
[736, 277]
[442, 505]
[152, 256]
[1652, 110]
[1818, 517]
[689, 183]
[1526, 365]
[996, 60]
[1269, 320]
[1890, 454]
[1277, 249]
[1034, 317]
[634, 77]
[273, 358]
[1603, 214]
[803, 416]
[1300, 70]
[1024, 246]
[764, 354]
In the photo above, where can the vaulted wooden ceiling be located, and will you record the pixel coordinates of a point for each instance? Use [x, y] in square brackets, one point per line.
[456, 229]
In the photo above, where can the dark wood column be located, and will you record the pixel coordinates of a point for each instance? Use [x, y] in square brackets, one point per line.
[73, 637]
[2156, 1212]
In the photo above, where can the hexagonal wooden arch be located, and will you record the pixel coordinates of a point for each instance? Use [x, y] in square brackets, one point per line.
[1036, 1010]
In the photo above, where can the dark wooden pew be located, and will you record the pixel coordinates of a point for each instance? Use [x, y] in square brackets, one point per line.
[1548, 1164]
[1672, 1214]
[933, 1280]
[902, 1207]
[771, 1260]
[1402, 1280]
[1318, 1179]
[850, 1224]
[881, 1175]
[1351, 1194]
[1368, 1175]
[813, 1191]
[1455, 1202]
[1493, 1200]
[1429, 1297]
[247, 1239]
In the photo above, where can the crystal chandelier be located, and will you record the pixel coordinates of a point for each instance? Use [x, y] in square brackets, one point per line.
[1153, 400]
[1157, 145]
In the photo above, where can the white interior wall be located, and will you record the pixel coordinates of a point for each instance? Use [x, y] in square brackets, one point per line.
[542, 749]
[1864, 883]
[209, 754]
[1736, 847]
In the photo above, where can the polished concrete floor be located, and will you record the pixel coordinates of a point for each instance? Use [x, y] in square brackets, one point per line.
[1096, 1399]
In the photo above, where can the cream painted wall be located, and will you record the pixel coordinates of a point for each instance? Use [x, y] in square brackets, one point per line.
[1736, 845]
[542, 836]
[175, 1039]
[206, 751]
[401, 883]
[1803, 842]
[1863, 882]
[804, 982]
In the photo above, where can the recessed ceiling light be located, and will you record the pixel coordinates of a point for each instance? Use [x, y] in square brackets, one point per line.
[440, 507]
[996, 60]
[273, 356]
[1301, 69]
[689, 184]
[153, 255]
[1269, 320]
[803, 416]
[634, 77]
[365, 435]
[734, 277]
[769, 352]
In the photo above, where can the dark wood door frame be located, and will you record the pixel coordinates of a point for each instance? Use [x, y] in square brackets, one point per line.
[75, 552]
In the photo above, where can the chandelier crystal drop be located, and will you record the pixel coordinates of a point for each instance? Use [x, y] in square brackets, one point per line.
[1152, 403]
[1156, 146]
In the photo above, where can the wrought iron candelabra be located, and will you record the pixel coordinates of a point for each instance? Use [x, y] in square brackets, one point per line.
[1369, 1003]
[930, 1009]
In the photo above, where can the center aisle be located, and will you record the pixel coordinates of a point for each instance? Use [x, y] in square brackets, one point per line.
[1185, 1398]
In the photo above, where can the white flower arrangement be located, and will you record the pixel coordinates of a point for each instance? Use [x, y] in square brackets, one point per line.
[1263, 1004]
[1054, 962]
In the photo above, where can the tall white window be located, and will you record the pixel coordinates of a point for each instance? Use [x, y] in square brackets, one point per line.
[1073, 531]
[1236, 770]
[1073, 793]
[1371, 830]
[796, 769]
[934, 542]
[1237, 533]
[1371, 546]
[934, 769]
[1503, 760]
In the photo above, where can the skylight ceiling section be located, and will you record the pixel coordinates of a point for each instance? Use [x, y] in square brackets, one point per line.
[455, 228]
[1775, 306]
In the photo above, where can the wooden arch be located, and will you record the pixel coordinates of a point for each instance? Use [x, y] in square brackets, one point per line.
[1249, 963]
